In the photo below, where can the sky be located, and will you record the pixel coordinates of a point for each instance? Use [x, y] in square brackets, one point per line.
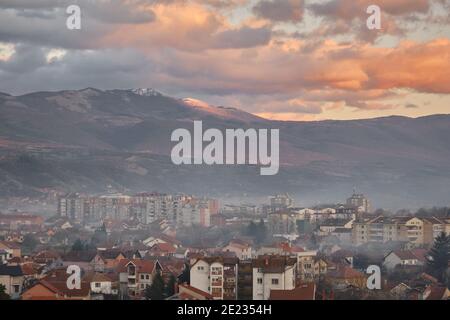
[279, 59]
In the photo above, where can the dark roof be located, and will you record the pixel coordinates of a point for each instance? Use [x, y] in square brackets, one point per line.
[335, 222]
[14, 271]
[110, 254]
[80, 256]
[10, 244]
[273, 264]
[221, 259]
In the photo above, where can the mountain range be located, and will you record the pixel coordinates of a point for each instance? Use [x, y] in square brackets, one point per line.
[95, 140]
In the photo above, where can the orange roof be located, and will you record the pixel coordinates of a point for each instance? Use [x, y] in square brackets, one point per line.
[302, 292]
[142, 266]
[346, 272]
[56, 282]
[10, 244]
[165, 247]
[30, 268]
[184, 293]
[97, 277]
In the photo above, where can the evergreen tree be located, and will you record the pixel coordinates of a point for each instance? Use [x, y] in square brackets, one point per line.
[78, 245]
[252, 229]
[439, 257]
[29, 243]
[156, 290]
[185, 276]
[170, 287]
[261, 231]
[3, 294]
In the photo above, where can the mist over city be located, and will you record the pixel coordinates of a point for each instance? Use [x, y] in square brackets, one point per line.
[233, 150]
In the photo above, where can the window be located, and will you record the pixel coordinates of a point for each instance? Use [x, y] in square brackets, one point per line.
[275, 281]
[259, 280]
[147, 277]
[16, 288]
[200, 268]
[142, 277]
[97, 284]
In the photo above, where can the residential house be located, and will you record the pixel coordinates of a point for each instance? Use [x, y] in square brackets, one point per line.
[272, 273]
[54, 287]
[101, 284]
[83, 259]
[46, 257]
[137, 275]
[161, 238]
[107, 260]
[13, 248]
[162, 250]
[415, 257]
[344, 277]
[242, 249]
[11, 276]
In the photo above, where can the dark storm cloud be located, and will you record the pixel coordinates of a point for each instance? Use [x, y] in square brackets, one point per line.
[44, 22]
[108, 11]
[28, 70]
[242, 38]
[280, 10]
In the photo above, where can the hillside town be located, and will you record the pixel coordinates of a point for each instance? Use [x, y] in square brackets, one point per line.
[152, 246]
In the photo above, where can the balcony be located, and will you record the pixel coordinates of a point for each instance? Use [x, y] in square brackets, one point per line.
[216, 272]
[216, 283]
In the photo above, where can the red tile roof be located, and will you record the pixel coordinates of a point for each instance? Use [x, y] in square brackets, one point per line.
[164, 247]
[185, 289]
[142, 266]
[437, 293]
[302, 292]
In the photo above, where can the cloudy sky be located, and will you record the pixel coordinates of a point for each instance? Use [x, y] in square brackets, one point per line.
[281, 59]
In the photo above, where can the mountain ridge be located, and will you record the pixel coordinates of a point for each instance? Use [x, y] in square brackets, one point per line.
[85, 140]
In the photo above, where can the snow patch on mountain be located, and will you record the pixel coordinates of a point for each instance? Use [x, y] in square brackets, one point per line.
[146, 92]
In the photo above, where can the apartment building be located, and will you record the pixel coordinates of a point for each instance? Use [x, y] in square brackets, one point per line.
[272, 273]
[281, 201]
[282, 222]
[217, 276]
[414, 230]
[379, 230]
[359, 201]
[305, 265]
[146, 208]
[423, 231]
[195, 212]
